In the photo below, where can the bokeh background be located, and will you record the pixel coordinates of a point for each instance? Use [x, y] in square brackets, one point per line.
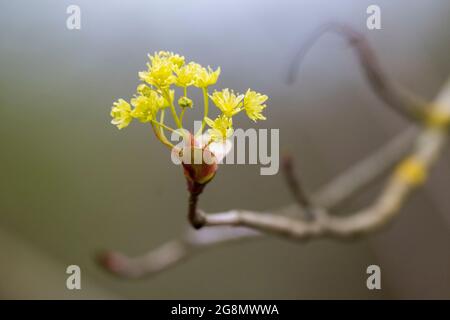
[71, 184]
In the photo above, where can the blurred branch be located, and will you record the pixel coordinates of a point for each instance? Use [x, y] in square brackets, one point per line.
[365, 173]
[173, 252]
[296, 187]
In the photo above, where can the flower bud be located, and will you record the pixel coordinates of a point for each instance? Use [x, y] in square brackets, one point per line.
[200, 165]
[185, 102]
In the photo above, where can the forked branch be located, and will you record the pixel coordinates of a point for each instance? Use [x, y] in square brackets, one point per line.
[192, 241]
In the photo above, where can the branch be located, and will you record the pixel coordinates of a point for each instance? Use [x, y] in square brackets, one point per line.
[296, 188]
[363, 174]
[239, 224]
[192, 242]
[172, 252]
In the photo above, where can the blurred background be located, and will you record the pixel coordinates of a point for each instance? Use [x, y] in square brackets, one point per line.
[71, 184]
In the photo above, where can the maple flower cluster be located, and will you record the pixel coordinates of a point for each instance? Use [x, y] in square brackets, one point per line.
[167, 70]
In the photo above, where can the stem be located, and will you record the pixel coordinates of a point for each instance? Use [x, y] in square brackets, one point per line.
[162, 125]
[183, 110]
[181, 115]
[206, 107]
[161, 121]
[161, 138]
[296, 187]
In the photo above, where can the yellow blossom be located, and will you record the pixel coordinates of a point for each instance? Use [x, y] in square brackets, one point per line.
[121, 113]
[147, 106]
[206, 77]
[159, 75]
[160, 72]
[160, 100]
[186, 74]
[143, 109]
[221, 128]
[253, 105]
[175, 60]
[227, 101]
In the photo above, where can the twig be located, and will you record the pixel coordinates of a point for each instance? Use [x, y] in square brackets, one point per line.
[192, 242]
[293, 182]
[173, 252]
[337, 192]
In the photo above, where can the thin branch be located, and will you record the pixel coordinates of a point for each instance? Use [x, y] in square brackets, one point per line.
[403, 102]
[173, 252]
[427, 148]
[195, 219]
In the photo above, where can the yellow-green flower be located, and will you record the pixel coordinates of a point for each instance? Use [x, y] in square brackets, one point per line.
[253, 105]
[221, 128]
[186, 74]
[206, 77]
[159, 75]
[227, 101]
[147, 106]
[165, 56]
[144, 90]
[144, 109]
[121, 113]
[161, 69]
[177, 60]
